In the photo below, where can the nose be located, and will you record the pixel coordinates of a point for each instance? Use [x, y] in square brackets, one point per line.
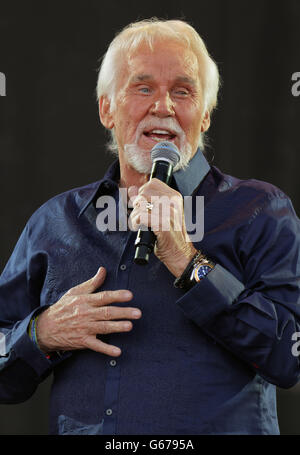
[163, 106]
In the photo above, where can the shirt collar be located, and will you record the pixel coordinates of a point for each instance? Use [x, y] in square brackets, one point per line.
[186, 180]
[108, 183]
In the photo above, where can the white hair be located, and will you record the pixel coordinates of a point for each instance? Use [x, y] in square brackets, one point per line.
[148, 31]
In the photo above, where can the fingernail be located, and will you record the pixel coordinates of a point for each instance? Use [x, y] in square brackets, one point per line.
[136, 313]
[116, 351]
[127, 294]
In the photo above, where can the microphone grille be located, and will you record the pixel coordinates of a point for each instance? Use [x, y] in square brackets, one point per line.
[165, 151]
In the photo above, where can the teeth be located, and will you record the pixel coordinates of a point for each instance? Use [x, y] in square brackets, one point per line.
[159, 139]
[160, 132]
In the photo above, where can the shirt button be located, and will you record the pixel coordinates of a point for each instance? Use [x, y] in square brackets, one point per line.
[123, 267]
[113, 363]
[108, 412]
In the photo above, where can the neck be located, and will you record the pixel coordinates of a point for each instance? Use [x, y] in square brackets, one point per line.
[130, 177]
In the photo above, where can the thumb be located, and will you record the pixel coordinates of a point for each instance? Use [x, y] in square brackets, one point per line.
[89, 286]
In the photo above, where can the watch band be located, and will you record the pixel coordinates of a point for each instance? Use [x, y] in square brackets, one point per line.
[195, 271]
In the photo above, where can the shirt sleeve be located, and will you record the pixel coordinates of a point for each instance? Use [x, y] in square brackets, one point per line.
[22, 365]
[257, 317]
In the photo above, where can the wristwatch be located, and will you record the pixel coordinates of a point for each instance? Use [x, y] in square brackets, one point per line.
[196, 270]
[201, 270]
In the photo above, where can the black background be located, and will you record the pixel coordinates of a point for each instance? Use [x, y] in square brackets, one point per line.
[51, 139]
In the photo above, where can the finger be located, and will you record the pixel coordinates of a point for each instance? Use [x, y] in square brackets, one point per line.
[107, 297]
[97, 345]
[89, 286]
[152, 187]
[107, 327]
[139, 202]
[134, 222]
[108, 313]
[156, 187]
[142, 220]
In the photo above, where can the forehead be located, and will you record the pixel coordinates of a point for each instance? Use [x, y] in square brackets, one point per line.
[168, 59]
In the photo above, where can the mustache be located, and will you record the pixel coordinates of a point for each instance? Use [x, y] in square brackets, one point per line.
[163, 124]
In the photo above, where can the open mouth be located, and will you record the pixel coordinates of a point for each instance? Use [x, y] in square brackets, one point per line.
[160, 135]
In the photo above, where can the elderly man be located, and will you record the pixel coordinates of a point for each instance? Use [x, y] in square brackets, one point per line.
[131, 352]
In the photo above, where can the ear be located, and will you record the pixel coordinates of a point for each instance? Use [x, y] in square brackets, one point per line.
[205, 122]
[105, 115]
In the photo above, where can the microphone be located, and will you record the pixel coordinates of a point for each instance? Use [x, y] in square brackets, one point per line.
[165, 155]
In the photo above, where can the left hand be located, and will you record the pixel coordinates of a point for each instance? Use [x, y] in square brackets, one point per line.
[166, 219]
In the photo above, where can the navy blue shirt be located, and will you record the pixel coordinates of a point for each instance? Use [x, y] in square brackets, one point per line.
[205, 361]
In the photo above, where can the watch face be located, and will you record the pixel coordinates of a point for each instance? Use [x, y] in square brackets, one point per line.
[201, 271]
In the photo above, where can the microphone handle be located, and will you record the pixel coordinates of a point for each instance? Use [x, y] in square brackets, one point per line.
[145, 240]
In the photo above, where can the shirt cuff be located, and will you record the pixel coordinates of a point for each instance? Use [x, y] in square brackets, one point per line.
[25, 348]
[212, 295]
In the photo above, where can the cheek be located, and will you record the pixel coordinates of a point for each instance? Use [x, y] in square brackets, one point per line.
[190, 122]
[132, 115]
[192, 116]
[124, 120]
[131, 110]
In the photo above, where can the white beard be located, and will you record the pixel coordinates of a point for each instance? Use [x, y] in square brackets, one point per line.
[141, 161]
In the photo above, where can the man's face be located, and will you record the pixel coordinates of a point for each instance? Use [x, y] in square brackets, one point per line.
[159, 97]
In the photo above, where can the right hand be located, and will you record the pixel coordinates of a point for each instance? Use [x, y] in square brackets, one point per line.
[74, 321]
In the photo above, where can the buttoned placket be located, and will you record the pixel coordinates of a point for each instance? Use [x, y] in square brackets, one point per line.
[114, 365]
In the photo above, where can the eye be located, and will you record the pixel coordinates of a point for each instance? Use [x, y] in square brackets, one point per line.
[181, 91]
[144, 89]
